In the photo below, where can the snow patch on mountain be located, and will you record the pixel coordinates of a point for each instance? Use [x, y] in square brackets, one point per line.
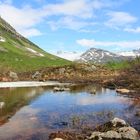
[2, 39]
[35, 52]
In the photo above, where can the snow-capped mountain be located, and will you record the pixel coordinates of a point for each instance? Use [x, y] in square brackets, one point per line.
[133, 53]
[68, 55]
[95, 55]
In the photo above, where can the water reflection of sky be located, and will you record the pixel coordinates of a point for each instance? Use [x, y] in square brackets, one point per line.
[46, 111]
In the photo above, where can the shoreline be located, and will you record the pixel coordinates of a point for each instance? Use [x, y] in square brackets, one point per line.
[30, 84]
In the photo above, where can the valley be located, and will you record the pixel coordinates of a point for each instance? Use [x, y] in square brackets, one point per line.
[91, 95]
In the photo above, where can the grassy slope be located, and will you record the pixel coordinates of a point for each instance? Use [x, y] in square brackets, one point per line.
[17, 58]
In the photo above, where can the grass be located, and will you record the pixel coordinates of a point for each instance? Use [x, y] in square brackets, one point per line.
[22, 63]
[122, 64]
[118, 65]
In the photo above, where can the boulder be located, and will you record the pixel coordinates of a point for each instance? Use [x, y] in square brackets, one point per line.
[13, 76]
[62, 70]
[95, 136]
[5, 79]
[117, 122]
[111, 135]
[128, 133]
[36, 75]
[119, 130]
[123, 90]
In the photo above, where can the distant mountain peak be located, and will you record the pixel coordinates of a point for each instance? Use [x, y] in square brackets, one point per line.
[95, 55]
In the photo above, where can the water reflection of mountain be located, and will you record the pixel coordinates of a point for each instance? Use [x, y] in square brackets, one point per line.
[14, 99]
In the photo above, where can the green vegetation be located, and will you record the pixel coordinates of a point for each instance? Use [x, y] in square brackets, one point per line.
[118, 65]
[122, 64]
[19, 54]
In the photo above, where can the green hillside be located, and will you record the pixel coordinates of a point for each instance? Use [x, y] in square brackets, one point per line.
[19, 54]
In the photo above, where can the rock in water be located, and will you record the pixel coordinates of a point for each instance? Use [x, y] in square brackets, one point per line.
[60, 89]
[122, 90]
[58, 139]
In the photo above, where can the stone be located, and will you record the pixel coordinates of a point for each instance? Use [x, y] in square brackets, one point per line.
[36, 75]
[117, 122]
[111, 135]
[58, 139]
[61, 89]
[95, 136]
[13, 75]
[123, 90]
[62, 70]
[128, 133]
[2, 104]
[5, 79]
[90, 68]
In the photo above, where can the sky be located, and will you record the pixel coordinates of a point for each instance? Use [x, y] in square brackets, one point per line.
[76, 25]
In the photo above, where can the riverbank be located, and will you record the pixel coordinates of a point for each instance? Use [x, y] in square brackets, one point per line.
[81, 73]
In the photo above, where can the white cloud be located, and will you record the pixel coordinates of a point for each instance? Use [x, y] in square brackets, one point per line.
[71, 14]
[70, 23]
[132, 30]
[118, 19]
[75, 14]
[78, 8]
[27, 17]
[122, 44]
[22, 19]
[88, 31]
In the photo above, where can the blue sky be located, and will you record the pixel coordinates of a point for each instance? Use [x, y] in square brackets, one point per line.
[76, 25]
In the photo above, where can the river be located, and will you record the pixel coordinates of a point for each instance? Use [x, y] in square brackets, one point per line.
[33, 113]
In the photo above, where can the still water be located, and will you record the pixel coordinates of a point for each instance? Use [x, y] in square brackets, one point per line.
[34, 113]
